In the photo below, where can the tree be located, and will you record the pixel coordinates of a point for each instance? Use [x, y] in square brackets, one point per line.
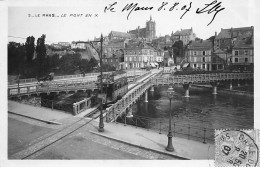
[30, 48]
[92, 63]
[16, 58]
[69, 63]
[107, 67]
[41, 55]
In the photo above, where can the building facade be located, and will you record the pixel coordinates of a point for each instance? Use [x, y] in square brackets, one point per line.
[138, 55]
[243, 55]
[185, 35]
[199, 55]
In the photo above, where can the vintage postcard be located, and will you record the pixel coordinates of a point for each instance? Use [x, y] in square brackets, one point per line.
[103, 82]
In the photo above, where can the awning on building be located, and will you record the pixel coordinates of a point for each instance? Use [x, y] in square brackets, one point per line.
[185, 65]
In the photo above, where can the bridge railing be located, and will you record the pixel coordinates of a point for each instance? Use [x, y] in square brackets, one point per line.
[127, 100]
[180, 79]
[50, 88]
[198, 133]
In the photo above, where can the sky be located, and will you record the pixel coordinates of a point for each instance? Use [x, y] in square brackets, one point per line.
[237, 13]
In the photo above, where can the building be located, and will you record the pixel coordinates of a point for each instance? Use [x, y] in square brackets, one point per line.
[149, 32]
[243, 54]
[199, 55]
[120, 35]
[64, 44]
[226, 38]
[159, 57]
[115, 46]
[235, 46]
[162, 42]
[78, 45]
[112, 61]
[185, 35]
[138, 55]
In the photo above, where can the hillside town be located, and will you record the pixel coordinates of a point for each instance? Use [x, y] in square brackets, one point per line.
[228, 49]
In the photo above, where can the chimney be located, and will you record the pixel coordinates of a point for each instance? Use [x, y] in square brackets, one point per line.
[215, 34]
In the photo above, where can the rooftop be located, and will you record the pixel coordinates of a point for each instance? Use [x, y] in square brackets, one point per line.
[183, 32]
[202, 44]
[226, 33]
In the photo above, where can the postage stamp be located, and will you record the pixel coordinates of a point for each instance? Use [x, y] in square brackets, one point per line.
[236, 148]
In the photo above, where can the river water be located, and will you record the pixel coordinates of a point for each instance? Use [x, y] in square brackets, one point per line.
[201, 109]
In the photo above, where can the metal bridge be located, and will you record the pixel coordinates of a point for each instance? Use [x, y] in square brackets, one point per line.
[124, 106]
[76, 85]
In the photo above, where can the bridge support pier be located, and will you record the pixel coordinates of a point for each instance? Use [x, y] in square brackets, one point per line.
[187, 89]
[146, 96]
[230, 86]
[214, 85]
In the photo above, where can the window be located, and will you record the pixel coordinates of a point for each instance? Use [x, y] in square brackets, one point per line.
[195, 59]
[236, 52]
[130, 58]
[246, 52]
[203, 58]
[125, 58]
[194, 65]
[246, 60]
[203, 52]
[236, 60]
[203, 66]
[195, 53]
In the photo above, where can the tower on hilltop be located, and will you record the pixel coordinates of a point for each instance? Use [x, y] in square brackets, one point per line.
[150, 29]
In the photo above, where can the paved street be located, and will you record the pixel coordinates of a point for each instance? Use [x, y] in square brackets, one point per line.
[81, 144]
[22, 132]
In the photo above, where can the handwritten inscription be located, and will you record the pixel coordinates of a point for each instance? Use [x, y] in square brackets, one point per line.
[210, 8]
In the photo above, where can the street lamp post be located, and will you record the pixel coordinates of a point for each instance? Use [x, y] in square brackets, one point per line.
[170, 93]
[101, 121]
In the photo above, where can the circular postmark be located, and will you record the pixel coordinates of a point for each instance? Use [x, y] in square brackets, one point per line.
[235, 148]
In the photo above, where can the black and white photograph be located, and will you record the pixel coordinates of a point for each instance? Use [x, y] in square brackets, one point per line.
[108, 82]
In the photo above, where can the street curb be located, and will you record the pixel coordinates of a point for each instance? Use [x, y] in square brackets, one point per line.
[46, 121]
[139, 146]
